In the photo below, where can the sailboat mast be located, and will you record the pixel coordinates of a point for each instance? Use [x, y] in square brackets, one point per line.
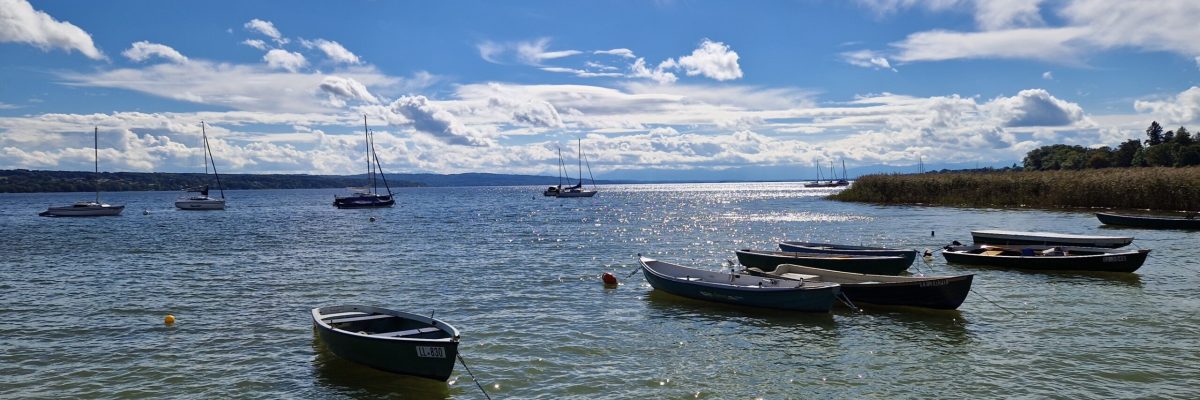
[844, 176]
[560, 165]
[96, 158]
[580, 151]
[367, 137]
[208, 152]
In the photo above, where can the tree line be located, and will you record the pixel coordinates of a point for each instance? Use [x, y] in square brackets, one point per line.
[26, 181]
[1175, 148]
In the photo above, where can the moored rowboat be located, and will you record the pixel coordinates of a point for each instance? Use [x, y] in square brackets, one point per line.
[1148, 221]
[829, 248]
[738, 289]
[940, 292]
[388, 340]
[1048, 258]
[1000, 237]
[878, 265]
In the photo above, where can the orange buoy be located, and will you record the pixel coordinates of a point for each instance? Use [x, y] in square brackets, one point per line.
[609, 279]
[169, 320]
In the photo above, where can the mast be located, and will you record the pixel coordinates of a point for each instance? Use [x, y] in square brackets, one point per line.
[208, 152]
[96, 158]
[580, 150]
[560, 165]
[367, 138]
[844, 176]
[379, 166]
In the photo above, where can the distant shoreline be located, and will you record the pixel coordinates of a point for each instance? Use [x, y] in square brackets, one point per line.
[1149, 188]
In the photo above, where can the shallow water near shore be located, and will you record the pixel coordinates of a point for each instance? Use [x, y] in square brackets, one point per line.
[519, 274]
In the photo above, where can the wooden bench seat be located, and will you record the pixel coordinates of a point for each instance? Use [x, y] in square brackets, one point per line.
[356, 319]
[409, 332]
[343, 314]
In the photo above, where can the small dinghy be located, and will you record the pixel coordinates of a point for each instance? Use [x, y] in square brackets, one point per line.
[999, 237]
[939, 292]
[877, 265]
[1188, 221]
[388, 340]
[830, 248]
[739, 289]
[1048, 258]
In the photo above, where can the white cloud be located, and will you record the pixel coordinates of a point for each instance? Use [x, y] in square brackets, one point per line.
[1034, 107]
[346, 88]
[1197, 59]
[533, 52]
[659, 74]
[867, 59]
[333, 50]
[712, 59]
[1046, 44]
[21, 23]
[582, 73]
[430, 118]
[255, 43]
[622, 52]
[144, 50]
[267, 29]
[1005, 14]
[286, 60]
[1183, 108]
[1048, 76]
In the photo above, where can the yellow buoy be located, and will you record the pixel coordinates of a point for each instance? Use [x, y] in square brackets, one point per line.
[170, 319]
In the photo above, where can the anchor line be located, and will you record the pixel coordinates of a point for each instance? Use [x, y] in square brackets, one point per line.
[473, 378]
[993, 303]
[846, 300]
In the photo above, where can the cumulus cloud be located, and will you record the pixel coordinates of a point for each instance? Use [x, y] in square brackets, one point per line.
[144, 50]
[255, 43]
[286, 60]
[333, 50]
[340, 88]
[530, 112]
[1034, 107]
[266, 28]
[1181, 108]
[658, 74]
[431, 119]
[713, 60]
[21, 23]
[867, 59]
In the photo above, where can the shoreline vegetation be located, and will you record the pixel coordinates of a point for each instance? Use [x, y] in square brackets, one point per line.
[1150, 188]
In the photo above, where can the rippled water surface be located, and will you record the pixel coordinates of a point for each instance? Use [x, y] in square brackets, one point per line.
[82, 300]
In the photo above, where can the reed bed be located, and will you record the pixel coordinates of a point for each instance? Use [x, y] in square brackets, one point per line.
[1157, 188]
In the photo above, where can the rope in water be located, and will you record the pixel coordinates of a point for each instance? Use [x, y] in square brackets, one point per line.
[846, 300]
[473, 378]
[993, 303]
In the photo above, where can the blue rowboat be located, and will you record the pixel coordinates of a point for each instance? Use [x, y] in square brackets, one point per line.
[877, 265]
[388, 340]
[937, 292]
[1048, 258]
[739, 289]
[829, 248]
[1188, 221]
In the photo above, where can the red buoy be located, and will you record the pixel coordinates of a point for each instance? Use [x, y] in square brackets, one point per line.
[609, 279]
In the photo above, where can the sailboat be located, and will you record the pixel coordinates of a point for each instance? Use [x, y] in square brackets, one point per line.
[553, 191]
[833, 181]
[578, 190]
[202, 201]
[369, 196]
[843, 181]
[87, 208]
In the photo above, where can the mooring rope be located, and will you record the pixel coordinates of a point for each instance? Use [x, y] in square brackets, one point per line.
[993, 303]
[464, 363]
[846, 300]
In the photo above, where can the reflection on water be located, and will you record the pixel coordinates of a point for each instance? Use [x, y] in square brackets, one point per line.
[347, 378]
[665, 305]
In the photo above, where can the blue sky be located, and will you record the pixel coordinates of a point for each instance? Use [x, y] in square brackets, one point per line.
[678, 87]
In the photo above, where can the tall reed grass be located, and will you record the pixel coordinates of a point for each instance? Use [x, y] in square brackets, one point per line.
[1157, 188]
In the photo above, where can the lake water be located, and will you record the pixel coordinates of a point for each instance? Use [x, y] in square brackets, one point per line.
[82, 300]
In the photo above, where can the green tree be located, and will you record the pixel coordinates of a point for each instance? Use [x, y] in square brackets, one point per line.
[1161, 156]
[1123, 156]
[1188, 155]
[1139, 158]
[1098, 160]
[1154, 134]
[1183, 137]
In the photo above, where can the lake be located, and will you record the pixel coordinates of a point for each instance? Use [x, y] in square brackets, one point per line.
[83, 300]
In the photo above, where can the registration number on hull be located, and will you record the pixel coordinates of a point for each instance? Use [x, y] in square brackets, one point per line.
[431, 352]
[1114, 259]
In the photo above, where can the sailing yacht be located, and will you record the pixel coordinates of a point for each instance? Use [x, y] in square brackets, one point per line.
[578, 190]
[369, 196]
[553, 191]
[87, 208]
[202, 201]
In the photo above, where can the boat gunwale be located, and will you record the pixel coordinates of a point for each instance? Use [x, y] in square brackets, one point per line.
[319, 319]
[806, 285]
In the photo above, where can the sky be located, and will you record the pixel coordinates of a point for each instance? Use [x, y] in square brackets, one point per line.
[679, 88]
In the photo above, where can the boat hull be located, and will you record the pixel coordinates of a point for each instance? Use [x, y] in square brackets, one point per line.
[936, 292]
[200, 204]
[1113, 261]
[1149, 221]
[815, 298]
[874, 265]
[70, 211]
[364, 201]
[1048, 239]
[828, 248]
[433, 359]
[581, 193]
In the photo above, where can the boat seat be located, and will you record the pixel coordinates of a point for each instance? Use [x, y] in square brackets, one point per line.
[992, 253]
[800, 277]
[342, 314]
[356, 319]
[409, 332]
